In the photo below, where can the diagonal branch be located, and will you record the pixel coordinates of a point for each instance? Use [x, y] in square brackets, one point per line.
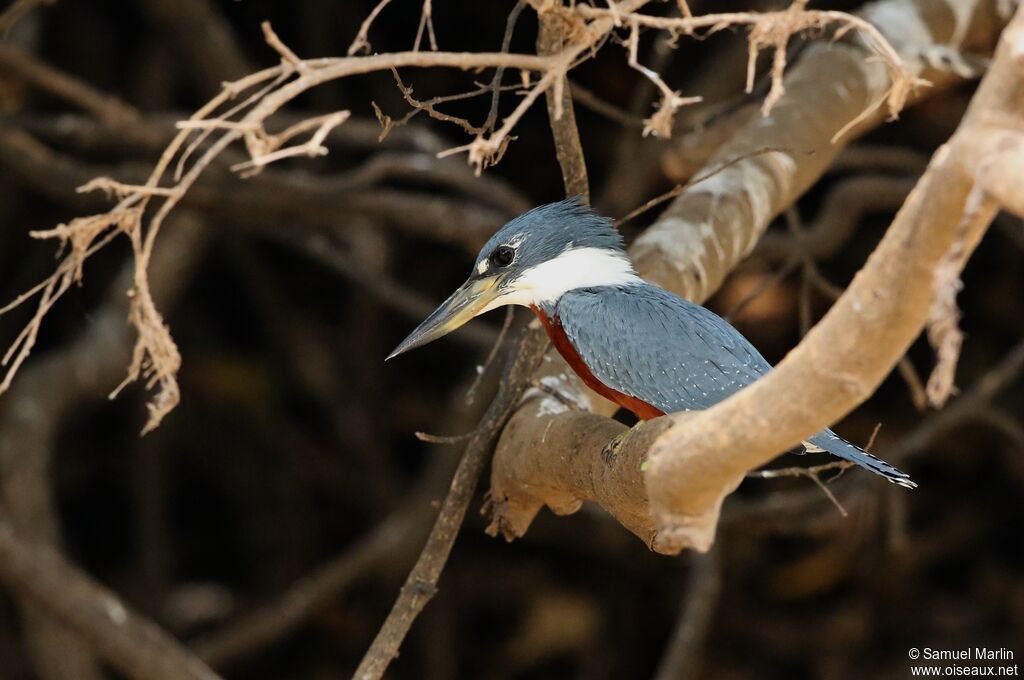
[421, 584]
[130, 642]
[705, 455]
[701, 459]
[710, 228]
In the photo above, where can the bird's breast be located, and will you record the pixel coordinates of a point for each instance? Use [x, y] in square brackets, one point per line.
[553, 327]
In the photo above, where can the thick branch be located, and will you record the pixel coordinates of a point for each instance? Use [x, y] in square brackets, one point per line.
[1000, 174]
[710, 228]
[731, 207]
[598, 459]
[130, 642]
[111, 110]
[31, 415]
[844, 358]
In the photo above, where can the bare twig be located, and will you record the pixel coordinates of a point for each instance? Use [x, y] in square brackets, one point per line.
[590, 100]
[659, 124]
[506, 42]
[814, 279]
[812, 473]
[361, 41]
[428, 106]
[426, 22]
[491, 356]
[679, 189]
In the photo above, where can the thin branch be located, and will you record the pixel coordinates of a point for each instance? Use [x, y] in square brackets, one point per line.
[499, 342]
[812, 473]
[361, 41]
[694, 181]
[696, 613]
[562, 116]
[589, 99]
[426, 22]
[659, 124]
[812, 277]
[499, 73]
[421, 584]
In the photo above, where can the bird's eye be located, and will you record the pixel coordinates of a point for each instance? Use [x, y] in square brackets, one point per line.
[502, 256]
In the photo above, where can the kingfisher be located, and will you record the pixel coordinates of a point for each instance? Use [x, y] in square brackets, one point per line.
[634, 343]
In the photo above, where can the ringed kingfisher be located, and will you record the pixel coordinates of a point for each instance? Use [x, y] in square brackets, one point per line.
[634, 343]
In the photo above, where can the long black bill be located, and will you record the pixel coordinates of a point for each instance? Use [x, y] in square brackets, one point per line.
[470, 299]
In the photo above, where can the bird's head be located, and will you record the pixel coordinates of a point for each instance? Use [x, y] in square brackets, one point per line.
[532, 261]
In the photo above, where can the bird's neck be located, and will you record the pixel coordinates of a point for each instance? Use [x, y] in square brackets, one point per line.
[542, 285]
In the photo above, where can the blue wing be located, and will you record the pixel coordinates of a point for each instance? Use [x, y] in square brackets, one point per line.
[677, 356]
[650, 344]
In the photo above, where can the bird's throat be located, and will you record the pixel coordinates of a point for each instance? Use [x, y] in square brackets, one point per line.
[553, 327]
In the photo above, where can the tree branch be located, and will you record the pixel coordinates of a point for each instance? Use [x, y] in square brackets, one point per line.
[30, 419]
[130, 642]
[561, 114]
[703, 458]
[421, 584]
[598, 459]
[711, 227]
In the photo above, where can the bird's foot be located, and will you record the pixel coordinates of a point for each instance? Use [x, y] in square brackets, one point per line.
[611, 449]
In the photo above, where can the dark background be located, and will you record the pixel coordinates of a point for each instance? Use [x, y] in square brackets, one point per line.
[294, 440]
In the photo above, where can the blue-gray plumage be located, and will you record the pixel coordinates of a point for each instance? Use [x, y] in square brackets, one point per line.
[639, 345]
[646, 342]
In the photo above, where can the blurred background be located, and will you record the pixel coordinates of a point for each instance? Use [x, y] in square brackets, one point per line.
[270, 520]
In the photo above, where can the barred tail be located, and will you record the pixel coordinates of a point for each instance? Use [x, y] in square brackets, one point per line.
[837, 446]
